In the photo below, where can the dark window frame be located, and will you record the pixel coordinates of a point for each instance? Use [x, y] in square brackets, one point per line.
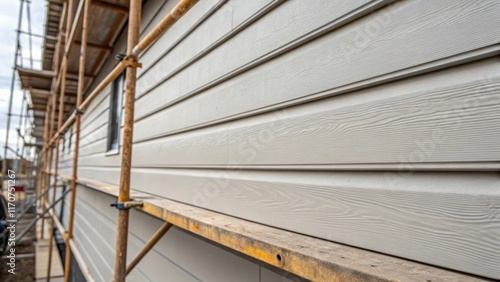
[115, 114]
[70, 142]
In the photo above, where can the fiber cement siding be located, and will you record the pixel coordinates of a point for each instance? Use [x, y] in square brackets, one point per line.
[369, 123]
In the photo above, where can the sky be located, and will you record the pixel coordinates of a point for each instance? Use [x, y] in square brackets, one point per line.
[9, 14]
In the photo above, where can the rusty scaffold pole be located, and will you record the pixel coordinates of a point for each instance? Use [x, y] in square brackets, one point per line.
[81, 86]
[62, 93]
[47, 152]
[131, 77]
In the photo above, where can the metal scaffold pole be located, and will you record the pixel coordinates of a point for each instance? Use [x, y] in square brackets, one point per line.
[62, 93]
[134, 22]
[12, 85]
[79, 99]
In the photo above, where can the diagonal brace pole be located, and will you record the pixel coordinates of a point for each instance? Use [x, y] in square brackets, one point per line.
[18, 239]
[149, 245]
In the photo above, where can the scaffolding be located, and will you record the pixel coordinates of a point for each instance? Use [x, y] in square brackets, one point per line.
[307, 257]
[25, 116]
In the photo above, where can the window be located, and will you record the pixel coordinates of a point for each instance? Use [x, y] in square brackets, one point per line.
[70, 142]
[115, 113]
[63, 143]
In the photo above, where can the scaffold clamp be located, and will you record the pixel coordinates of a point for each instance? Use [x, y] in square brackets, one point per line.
[126, 205]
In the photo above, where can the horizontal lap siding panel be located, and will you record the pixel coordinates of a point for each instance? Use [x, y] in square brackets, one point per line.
[66, 170]
[199, 117]
[442, 28]
[98, 146]
[88, 237]
[95, 123]
[65, 157]
[269, 33]
[104, 174]
[270, 276]
[65, 218]
[202, 260]
[97, 106]
[96, 233]
[99, 133]
[153, 13]
[445, 219]
[99, 224]
[94, 128]
[446, 116]
[100, 159]
[175, 35]
[178, 256]
[195, 42]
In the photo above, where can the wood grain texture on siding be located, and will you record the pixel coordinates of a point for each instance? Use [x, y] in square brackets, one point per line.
[314, 67]
[198, 41]
[200, 258]
[446, 219]
[199, 121]
[100, 242]
[446, 116]
[269, 33]
[178, 256]
[176, 33]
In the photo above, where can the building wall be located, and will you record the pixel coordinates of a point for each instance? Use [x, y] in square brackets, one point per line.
[362, 122]
[178, 256]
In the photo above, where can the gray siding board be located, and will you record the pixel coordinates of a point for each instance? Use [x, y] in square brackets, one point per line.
[93, 256]
[454, 112]
[98, 104]
[267, 275]
[99, 132]
[444, 208]
[98, 146]
[315, 66]
[96, 111]
[98, 120]
[105, 174]
[364, 93]
[175, 34]
[179, 256]
[100, 159]
[264, 37]
[440, 214]
[188, 254]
